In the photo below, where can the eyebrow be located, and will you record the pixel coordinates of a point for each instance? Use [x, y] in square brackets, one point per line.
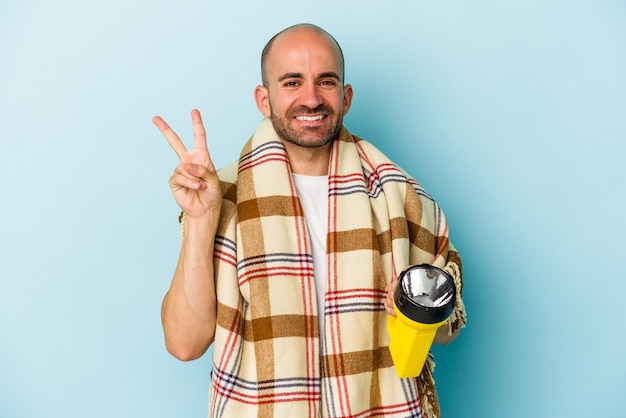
[329, 74]
[289, 75]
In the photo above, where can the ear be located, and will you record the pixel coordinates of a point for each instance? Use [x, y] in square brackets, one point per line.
[262, 99]
[347, 98]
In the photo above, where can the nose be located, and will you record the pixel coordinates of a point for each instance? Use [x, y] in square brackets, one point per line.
[311, 96]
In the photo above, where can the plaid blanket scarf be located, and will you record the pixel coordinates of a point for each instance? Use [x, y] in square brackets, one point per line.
[267, 358]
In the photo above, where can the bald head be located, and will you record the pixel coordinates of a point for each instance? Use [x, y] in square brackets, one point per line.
[302, 27]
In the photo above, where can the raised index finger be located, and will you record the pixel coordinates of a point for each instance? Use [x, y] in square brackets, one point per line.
[172, 139]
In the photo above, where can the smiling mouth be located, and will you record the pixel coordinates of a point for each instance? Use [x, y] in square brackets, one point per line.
[310, 118]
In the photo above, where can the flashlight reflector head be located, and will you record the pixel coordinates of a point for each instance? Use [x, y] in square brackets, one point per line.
[425, 294]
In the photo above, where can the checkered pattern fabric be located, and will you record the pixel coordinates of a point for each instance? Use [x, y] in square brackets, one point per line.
[267, 358]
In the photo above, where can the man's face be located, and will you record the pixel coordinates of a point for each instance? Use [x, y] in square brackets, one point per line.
[305, 97]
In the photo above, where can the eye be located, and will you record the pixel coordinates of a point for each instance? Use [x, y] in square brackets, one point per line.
[291, 83]
[328, 82]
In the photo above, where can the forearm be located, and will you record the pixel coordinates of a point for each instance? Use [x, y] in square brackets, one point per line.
[444, 335]
[189, 307]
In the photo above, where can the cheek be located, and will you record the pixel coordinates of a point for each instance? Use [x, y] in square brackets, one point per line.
[287, 109]
[336, 101]
[279, 104]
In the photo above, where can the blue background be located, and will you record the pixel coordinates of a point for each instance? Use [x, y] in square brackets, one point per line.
[512, 114]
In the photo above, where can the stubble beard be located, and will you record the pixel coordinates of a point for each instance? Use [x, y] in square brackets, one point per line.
[313, 137]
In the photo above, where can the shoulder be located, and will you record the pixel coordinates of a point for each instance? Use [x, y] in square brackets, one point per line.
[387, 171]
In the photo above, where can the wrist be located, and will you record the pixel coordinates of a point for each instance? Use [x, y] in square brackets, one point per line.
[199, 227]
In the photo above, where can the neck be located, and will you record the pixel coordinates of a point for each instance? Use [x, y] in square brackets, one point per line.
[308, 161]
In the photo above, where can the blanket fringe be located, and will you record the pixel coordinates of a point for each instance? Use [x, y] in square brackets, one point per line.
[181, 220]
[427, 391]
[458, 319]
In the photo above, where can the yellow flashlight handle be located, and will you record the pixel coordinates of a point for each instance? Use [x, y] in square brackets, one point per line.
[409, 344]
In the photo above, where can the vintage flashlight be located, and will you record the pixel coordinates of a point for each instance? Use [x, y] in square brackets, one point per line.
[424, 299]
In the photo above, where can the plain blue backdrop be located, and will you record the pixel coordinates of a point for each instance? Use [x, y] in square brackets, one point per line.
[512, 115]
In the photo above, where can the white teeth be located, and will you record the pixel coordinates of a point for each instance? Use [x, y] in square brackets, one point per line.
[310, 118]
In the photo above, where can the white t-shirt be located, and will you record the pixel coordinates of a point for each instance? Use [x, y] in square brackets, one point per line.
[313, 194]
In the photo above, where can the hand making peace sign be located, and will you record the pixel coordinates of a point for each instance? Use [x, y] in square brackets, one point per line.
[194, 183]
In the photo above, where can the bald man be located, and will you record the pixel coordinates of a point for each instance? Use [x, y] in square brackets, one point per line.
[290, 255]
